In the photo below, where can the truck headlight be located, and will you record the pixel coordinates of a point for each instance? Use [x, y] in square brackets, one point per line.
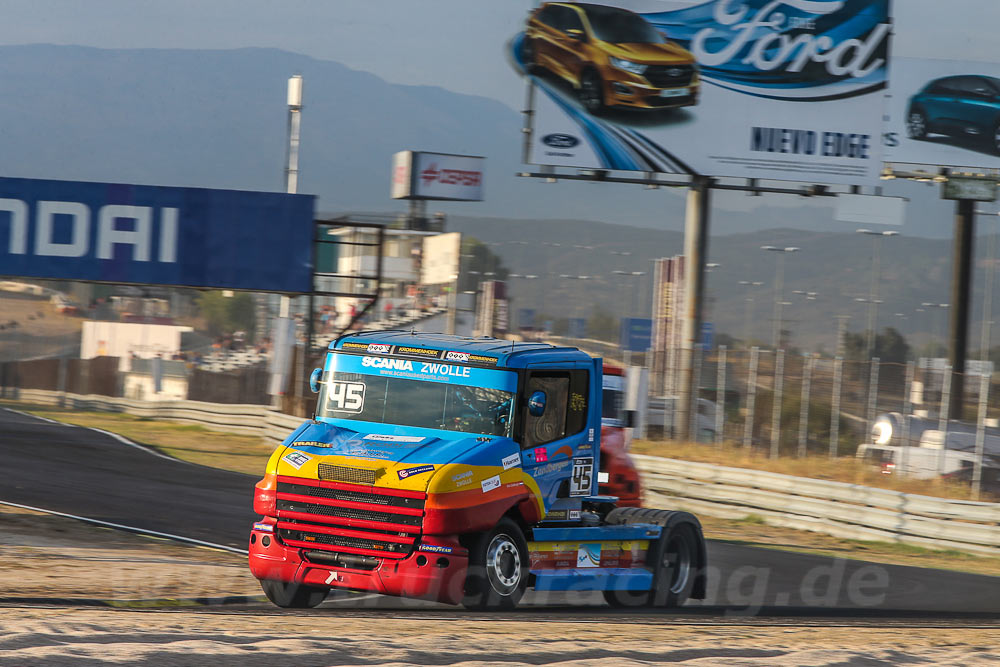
[627, 65]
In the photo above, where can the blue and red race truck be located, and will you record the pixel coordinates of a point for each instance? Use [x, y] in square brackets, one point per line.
[460, 470]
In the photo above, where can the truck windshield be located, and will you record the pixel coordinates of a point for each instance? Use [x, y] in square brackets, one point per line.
[405, 392]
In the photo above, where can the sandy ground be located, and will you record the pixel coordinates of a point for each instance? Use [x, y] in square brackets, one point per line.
[55, 558]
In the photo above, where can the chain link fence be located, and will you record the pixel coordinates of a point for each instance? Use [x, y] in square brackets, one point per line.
[781, 404]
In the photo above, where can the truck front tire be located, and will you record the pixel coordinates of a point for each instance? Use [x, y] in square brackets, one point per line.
[498, 568]
[292, 596]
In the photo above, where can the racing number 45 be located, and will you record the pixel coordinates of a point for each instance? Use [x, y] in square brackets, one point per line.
[582, 480]
[347, 396]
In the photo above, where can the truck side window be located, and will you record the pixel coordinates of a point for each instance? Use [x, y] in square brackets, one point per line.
[565, 410]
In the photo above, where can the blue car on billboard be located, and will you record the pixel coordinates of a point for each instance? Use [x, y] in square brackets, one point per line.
[965, 106]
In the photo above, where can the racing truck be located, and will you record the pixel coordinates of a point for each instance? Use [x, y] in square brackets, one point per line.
[464, 471]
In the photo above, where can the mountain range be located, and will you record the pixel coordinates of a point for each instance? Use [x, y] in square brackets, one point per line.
[218, 119]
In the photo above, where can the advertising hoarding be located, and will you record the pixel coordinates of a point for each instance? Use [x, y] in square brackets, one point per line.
[441, 176]
[944, 112]
[440, 258]
[635, 333]
[776, 89]
[154, 235]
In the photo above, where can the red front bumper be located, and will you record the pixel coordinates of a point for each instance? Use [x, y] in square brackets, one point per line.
[427, 575]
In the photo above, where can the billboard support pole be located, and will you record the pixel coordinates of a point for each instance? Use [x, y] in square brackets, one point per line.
[695, 252]
[961, 283]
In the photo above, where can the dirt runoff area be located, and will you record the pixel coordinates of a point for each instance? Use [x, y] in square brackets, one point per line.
[72, 595]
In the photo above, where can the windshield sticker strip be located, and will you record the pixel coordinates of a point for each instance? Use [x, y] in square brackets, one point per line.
[412, 439]
[421, 353]
[420, 370]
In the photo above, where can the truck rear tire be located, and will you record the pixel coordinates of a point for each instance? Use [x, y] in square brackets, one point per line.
[674, 558]
[498, 568]
[291, 595]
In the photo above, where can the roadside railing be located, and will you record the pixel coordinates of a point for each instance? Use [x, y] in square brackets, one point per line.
[847, 511]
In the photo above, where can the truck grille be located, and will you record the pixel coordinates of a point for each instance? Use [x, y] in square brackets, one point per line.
[669, 76]
[334, 473]
[347, 518]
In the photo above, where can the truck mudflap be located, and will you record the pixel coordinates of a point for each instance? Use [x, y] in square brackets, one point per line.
[433, 571]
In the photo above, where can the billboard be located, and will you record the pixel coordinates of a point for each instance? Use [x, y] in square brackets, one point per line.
[420, 175]
[635, 333]
[440, 258]
[773, 89]
[153, 235]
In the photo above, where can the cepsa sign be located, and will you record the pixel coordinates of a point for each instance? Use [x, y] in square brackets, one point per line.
[419, 175]
[142, 234]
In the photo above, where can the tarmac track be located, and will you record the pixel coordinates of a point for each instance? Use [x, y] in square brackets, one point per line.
[86, 473]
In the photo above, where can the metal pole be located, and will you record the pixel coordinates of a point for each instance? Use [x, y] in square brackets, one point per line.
[695, 252]
[907, 409]
[751, 397]
[838, 376]
[961, 284]
[804, 407]
[779, 377]
[984, 339]
[720, 394]
[872, 393]
[693, 430]
[779, 279]
[977, 471]
[943, 420]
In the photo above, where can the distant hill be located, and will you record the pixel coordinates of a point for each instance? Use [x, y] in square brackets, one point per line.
[218, 119]
[836, 265]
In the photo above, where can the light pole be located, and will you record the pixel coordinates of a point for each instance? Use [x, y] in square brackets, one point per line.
[941, 307]
[779, 279]
[873, 290]
[749, 309]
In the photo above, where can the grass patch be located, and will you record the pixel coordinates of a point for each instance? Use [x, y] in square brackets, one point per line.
[846, 469]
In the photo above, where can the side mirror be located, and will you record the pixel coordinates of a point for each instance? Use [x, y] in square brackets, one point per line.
[536, 404]
[577, 34]
[314, 379]
[630, 418]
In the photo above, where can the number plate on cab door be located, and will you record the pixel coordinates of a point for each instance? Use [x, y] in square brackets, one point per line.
[582, 481]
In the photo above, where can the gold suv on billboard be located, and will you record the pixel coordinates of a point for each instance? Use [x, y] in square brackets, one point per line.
[613, 57]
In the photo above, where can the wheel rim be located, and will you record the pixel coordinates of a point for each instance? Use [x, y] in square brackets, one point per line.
[917, 125]
[503, 564]
[590, 92]
[677, 556]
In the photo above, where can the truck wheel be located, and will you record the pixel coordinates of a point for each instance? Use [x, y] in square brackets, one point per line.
[675, 559]
[292, 596]
[498, 568]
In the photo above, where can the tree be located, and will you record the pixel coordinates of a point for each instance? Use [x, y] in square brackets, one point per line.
[479, 263]
[602, 325]
[226, 314]
[890, 346]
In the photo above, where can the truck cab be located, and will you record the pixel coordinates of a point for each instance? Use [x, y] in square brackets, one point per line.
[461, 470]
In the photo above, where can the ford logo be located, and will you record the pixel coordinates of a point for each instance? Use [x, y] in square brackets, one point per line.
[675, 72]
[560, 140]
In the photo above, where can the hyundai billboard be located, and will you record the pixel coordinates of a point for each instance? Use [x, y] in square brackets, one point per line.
[773, 89]
[154, 235]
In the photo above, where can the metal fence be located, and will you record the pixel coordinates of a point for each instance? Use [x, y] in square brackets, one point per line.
[788, 404]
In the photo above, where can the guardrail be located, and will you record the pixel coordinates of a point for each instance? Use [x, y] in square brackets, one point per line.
[843, 510]
[261, 420]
